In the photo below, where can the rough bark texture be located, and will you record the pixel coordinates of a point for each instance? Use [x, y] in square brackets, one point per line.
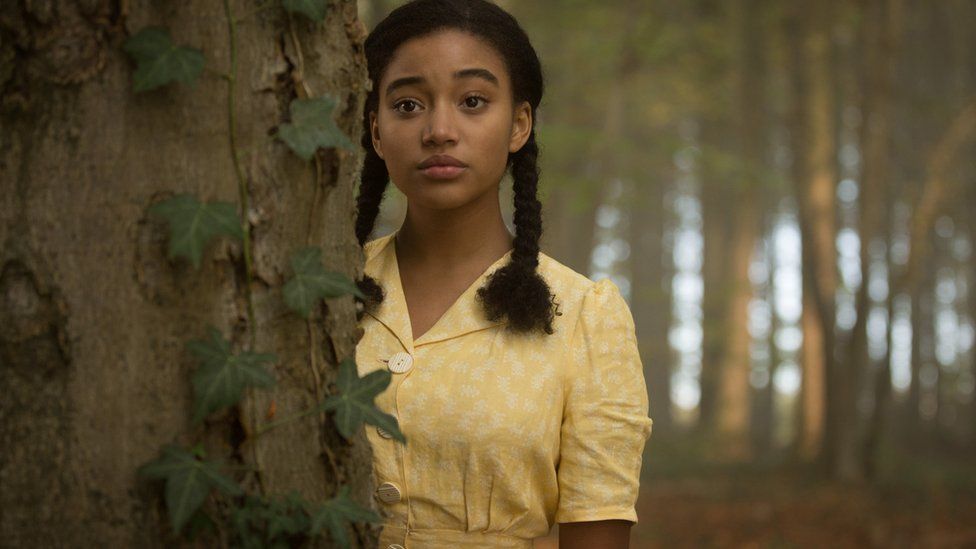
[94, 317]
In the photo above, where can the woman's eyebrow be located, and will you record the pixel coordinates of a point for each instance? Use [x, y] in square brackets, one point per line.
[405, 81]
[484, 74]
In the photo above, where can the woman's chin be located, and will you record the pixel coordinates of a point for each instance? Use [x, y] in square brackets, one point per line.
[438, 196]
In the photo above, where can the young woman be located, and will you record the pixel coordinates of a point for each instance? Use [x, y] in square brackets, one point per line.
[516, 380]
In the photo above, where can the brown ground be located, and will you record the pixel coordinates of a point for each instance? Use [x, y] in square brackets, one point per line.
[786, 510]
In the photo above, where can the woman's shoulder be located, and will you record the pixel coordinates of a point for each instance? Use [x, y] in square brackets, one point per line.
[576, 293]
[560, 275]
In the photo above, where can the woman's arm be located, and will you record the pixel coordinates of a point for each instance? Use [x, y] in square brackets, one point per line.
[597, 534]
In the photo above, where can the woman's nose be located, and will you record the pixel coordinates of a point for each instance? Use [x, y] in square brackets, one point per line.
[441, 126]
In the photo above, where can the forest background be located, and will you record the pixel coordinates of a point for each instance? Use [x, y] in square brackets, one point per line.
[782, 190]
[785, 192]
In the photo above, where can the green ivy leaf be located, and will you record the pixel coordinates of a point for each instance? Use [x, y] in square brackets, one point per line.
[286, 516]
[242, 519]
[312, 282]
[354, 403]
[313, 9]
[222, 376]
[159, 61]
[192, 224]
[312, 127]
[188, 482]
[199, 523]
[270, 522]
[336, 513]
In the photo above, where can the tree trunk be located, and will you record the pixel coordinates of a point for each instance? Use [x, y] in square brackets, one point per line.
[734, 394]
[881, 21]
[651, 295]
[971, 297]
[814, 172]
[764, 409]
[93, 370]
[881, 380]
[716, 228]
[569, 220]
[911, 417]
[717, 138]
[926, 371]
[888, 185]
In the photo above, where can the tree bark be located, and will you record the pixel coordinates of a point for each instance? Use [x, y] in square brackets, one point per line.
[93, 370]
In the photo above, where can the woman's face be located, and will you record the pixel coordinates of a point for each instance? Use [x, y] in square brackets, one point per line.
[446, 98]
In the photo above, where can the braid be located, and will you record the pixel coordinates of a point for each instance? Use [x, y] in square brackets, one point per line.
[517, 290]
[528, 209]
[373, 183]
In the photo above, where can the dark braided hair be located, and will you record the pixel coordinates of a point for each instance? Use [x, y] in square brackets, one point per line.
[516, 291]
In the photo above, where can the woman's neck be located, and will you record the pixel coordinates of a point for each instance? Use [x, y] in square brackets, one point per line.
[449, 238]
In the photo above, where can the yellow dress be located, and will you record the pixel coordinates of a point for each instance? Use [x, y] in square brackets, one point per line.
[506, 433]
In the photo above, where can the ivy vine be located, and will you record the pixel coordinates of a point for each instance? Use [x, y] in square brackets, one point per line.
[223, 375]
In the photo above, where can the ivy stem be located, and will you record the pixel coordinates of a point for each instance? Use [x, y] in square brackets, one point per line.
[304, 87]
[242, 189]
[244, 193]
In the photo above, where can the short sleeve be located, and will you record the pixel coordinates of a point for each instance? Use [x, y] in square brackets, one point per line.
[605, 421]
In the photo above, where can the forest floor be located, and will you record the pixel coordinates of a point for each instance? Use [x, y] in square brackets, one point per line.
[790, 509]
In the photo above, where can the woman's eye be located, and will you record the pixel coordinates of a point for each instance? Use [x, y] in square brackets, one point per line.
[472, 102]
[405, 106]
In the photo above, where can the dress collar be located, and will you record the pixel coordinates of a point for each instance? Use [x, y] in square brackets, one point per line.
[465, 315]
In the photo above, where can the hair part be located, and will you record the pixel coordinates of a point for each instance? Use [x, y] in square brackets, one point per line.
[516, 291]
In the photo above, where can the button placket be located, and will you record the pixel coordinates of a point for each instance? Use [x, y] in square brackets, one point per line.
[400, 362]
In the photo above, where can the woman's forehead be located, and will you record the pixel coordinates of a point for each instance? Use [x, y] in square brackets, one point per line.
[443, 54]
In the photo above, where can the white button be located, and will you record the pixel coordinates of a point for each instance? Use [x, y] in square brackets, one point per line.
[400, 362]
[395, 546]
[388, 492]
[383, 432]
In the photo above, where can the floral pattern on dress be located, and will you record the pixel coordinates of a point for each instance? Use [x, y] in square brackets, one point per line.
[506, 433]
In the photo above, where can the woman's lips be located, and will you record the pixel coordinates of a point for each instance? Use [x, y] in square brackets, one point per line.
[443, 171]
[442, 166]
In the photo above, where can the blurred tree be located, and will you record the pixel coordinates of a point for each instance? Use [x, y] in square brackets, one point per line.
[717, 142]
[879, 194]
[813, 140]
[749, 103]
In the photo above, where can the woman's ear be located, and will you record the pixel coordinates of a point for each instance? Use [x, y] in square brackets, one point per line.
[521, 126]
[374, 131]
